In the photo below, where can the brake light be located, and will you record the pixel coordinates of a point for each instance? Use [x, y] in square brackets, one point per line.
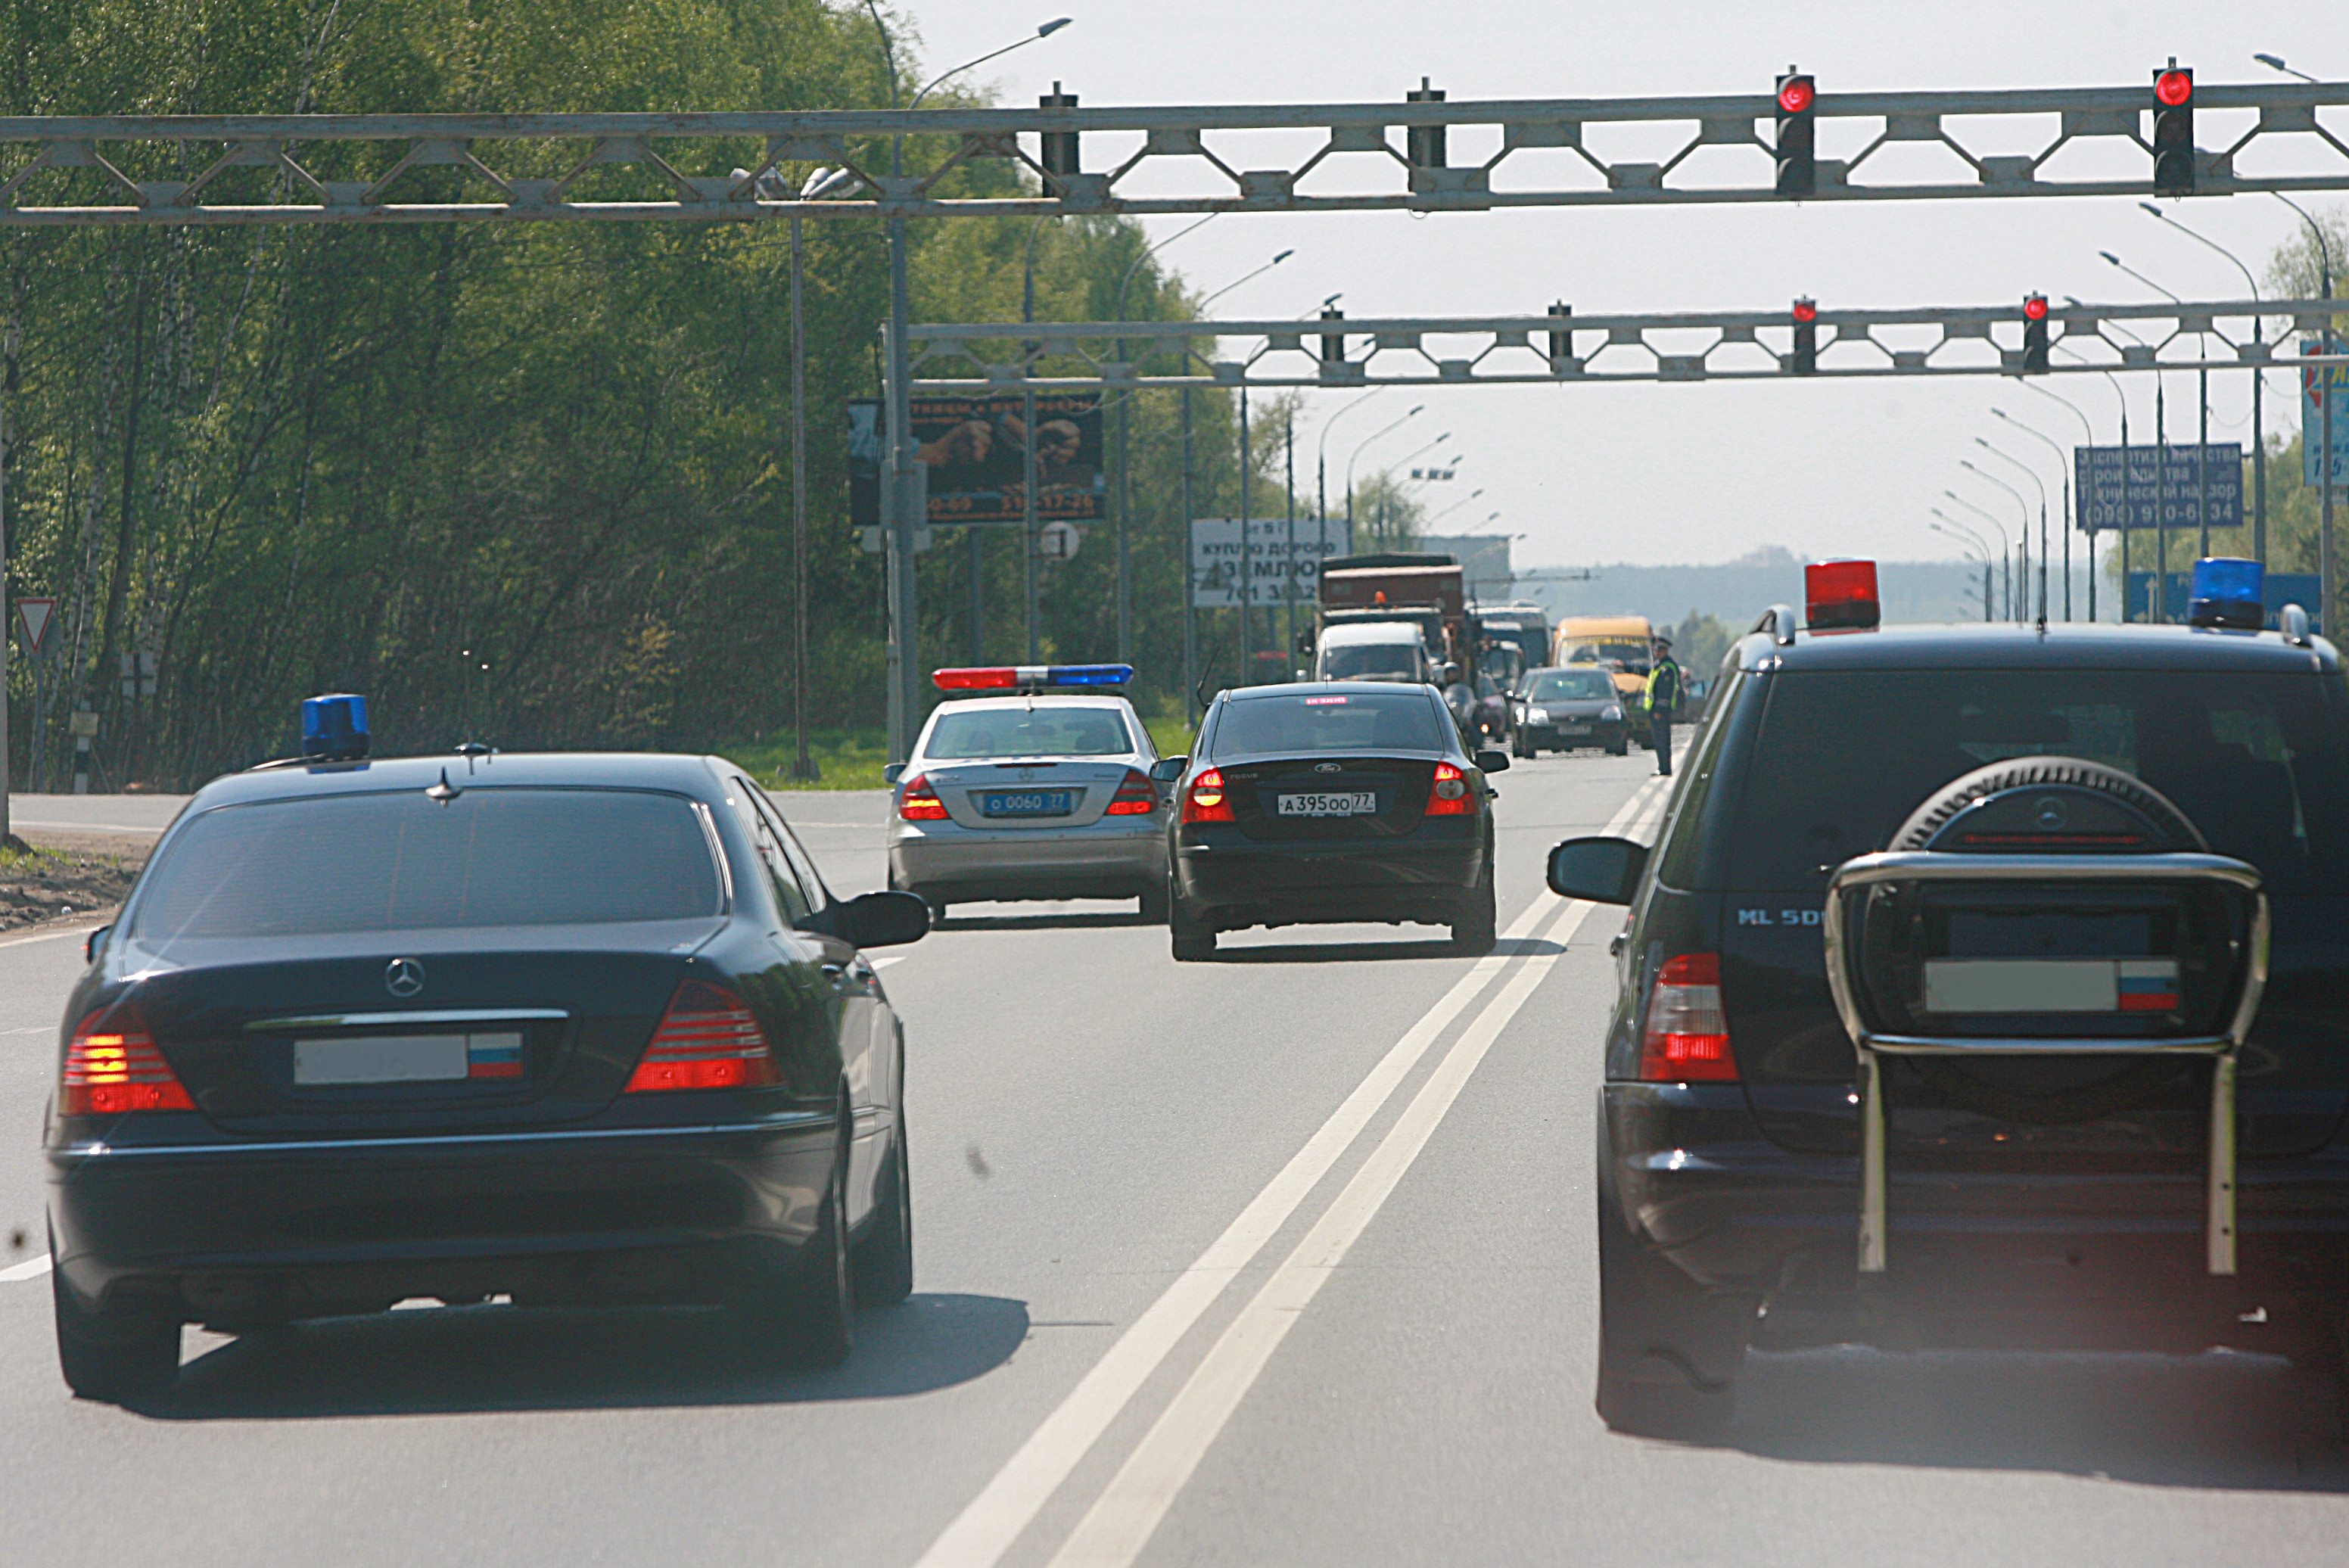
[1136, 797]
[1450, 796]
[707, 1039]
[112, 1066]
[920, 803]
[1687, 1035]
[1206, 802]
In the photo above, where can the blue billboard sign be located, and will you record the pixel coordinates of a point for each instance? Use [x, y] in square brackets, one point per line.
[2280, 589]
[2335, 384]
[2158, 486]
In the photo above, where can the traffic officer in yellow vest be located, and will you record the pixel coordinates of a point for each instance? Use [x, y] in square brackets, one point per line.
[1665, 688]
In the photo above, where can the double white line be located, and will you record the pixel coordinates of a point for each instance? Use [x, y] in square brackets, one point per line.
[1120, 1523]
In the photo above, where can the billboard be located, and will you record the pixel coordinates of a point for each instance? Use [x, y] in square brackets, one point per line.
[2313, 391]
[975, 449]
[2158, 486]
[1280, 557]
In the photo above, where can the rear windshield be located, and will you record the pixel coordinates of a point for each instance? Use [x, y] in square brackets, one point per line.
[329, 863]
[982, 733]
[1843, 758]
[1571, 685]
[1329, 721]
[1366, 661]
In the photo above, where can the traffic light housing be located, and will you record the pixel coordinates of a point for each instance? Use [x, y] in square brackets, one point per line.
[1797, 142]
[2173, 131]
[1333, 344]
[1804, 360]
[2035, 335]
[1059, 147]
[1561, 344]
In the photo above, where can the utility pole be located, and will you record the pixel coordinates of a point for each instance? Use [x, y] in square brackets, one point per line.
[1190, 577]
[7, 403]
[1289, 574]
[1248, 554]
[1027, 454]
[803, 769]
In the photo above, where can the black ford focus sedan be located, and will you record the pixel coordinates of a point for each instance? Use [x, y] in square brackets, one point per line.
[568, 1029]
[1331, 801]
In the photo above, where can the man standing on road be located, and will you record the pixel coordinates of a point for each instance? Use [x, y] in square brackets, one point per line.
[1663, 697]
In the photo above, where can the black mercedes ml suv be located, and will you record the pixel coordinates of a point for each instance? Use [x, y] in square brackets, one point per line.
[2053, 1198]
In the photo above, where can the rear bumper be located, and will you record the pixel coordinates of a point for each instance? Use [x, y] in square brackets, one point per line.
[1565, 737]
[260, 1232]
[1699, 1183]
[1230, 880]
[1116, 857]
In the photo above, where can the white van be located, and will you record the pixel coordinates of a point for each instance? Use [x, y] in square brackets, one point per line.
[1373, 651]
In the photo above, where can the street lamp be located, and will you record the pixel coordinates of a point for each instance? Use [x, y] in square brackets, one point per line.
[2007, 458]
[1973, 550]
[2325, 446]
[1357, 452]
[2202, 377]
[1456, 505]
[2275, 63]
[2064, 475]
[2089, 432]
[898, 456]
[2157, 603]
[1125, 459]
[1322, 453]
[2005, 546]
[2259, 386]
[2023, 547]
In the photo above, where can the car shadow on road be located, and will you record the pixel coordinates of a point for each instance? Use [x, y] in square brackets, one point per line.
[1054, 922]
[1360, 951]
[455, 1360]
[2215, 1420]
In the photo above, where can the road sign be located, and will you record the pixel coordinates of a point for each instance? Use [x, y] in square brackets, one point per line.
[34, 618]
[1273, 568]
[2278, 589]
[2313, 394]
[138, 674]
[1058, 540]
[2158, 486]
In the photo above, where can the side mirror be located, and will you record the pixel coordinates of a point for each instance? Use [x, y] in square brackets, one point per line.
[1603, 870]
[878, 920]
[1492, 762]
[92, 943]
[891, 774]
[1168, 770]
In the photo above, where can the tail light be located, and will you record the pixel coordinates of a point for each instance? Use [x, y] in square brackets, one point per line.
[1206, 801]
[1687, 1035]
[1136, 797]
[1449, 795]
[920, 803]
[112, 1066]
[707, 1039]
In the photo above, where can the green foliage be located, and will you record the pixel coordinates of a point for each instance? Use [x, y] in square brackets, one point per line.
[1700, 643]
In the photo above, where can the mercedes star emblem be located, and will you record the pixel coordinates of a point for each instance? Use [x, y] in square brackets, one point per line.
[403, 978]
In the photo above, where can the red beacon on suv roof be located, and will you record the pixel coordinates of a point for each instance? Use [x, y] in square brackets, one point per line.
[1840, 596]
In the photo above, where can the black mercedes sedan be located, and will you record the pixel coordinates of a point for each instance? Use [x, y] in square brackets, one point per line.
[1331, 801]
[564, 1028]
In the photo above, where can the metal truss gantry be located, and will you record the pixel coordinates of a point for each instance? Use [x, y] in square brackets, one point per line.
[2281, 136]
[1728, 345]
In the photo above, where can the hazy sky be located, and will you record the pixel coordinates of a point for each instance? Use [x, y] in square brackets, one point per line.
[1689, 472]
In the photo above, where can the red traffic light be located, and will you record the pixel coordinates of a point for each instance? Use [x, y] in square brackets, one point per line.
[2034, 307]
[1798, 93]
[2173, 87]
[1807, 310]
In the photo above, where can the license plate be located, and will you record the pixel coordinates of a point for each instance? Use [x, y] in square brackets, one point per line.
[1027, 803]
[2051, 985]
[381, 1059]
[1574, 730]
[1329, 803]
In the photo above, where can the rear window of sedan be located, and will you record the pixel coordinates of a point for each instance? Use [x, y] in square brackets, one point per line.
[489, 857]
[1330, 721]
[979, 734]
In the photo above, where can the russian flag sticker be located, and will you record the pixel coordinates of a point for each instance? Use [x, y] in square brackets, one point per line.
[2148, 984]
[499, 1055]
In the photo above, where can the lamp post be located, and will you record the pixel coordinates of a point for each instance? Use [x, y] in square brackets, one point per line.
[2016, 462]
[2088, 431]
[898, 495]
[2325, 446]
[1366, 440]
[2005, 545]
[2022, 605]
[1321, 456]
[1125, 459]
[1033, 572]
[1456, 505]
[2064, 478]
[2201, 453]
[1972, 550]
[819, 183]
[2157, 606]
[2259, 387]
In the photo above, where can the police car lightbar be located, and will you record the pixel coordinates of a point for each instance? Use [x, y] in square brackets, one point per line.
[2228, 594]
[1015, 677]
[334, 726]
[1841, 595]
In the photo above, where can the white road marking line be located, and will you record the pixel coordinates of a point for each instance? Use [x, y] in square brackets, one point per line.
[884, 963]
[988, 1525]
[89, 827]
[1121, 1521]
[31, 1268]
[48, 935]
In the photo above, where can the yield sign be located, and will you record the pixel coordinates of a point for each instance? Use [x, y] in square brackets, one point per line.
[35, 616]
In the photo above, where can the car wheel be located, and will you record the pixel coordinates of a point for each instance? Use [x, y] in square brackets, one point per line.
[1619, 749]
[1669, 1354]
[1154, 906]
[881, 1260]
[807, 1319]
[1477, 927]
[1190, 939]
[119, 1357]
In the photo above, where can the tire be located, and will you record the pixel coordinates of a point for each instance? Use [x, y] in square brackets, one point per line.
[881, 1262]
[808, 1318]
[118, 1358]
[1189, 940]
[1154, 905]
[1477, 928]
[1669, 1354]
[1621, 748]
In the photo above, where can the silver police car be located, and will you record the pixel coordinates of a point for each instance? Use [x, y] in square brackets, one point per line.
[1034, 785]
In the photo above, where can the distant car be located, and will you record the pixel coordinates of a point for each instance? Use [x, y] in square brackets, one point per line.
[1562, 709]
[1044, 795]
[1326, 802]
[1374, 650]
[574, 1030]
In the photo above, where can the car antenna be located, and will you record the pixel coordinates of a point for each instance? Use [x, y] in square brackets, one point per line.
[1199, 690]
[444, 791]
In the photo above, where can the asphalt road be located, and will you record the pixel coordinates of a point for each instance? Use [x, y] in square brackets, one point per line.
[1281, 1259]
